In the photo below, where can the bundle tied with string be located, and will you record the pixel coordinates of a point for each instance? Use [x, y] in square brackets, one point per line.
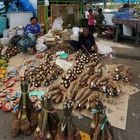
[66, 129]
[100, 126]
[25, 119]
[47, 121]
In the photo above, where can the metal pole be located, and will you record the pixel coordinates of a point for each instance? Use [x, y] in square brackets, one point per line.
[104, 1]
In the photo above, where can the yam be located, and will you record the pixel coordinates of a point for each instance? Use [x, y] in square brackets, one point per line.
[85, 95]
[93, 77]
[98, 67]
[90, 65]
[102, 80]
[74, 90]
[80, 93]
[53, 92]
[69, 92]
[84, 78]
[59, 99]
[53, 86]
[55, 96]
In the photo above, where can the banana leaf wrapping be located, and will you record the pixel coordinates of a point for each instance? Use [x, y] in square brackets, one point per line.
[66, 129]
[25, 120]
[100, 126]
[47, 121]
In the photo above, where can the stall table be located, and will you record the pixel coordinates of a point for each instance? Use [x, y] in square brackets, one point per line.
[135, 23]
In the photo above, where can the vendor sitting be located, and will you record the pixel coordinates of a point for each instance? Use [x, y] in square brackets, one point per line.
[28, 40]
[86, 42]
[33, 28]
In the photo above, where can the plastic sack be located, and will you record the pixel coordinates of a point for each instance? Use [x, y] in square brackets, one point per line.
[40, 47]
[4, 41]
[57, 24]
[47, 2]
[105, 50]
[75, 31]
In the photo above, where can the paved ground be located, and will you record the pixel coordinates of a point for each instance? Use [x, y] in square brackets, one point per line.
[132, 131]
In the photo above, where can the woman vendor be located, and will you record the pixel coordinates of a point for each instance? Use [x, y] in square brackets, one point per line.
[33, 28]
[27, 41]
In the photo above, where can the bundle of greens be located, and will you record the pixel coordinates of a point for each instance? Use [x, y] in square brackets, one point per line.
[25, 120]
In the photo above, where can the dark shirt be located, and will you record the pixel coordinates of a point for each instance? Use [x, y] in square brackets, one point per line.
[99, 18]
[88, 41]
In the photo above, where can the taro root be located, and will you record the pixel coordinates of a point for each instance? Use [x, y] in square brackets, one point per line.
[122, 72]
[100, 126]
[25, 120]
[44, 73]
[66, 129]
[47, 121]
[11, 51]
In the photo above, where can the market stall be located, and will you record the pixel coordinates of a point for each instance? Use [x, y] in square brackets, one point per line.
[68, 81]
[134, 23]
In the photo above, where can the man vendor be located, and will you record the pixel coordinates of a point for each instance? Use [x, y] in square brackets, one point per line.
[86, 42]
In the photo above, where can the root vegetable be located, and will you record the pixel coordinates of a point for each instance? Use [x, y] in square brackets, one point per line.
[102, 80]
[53, 92]
[98, 68]
[80, 93]
[90, 65]
[93, 77]
[58, 99]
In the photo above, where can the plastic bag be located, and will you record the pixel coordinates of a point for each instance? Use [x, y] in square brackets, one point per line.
[40, 47]
[47, 2]
[57, 24]
[75, 31]
[104, 50]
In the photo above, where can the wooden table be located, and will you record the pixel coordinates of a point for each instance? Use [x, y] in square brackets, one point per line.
[135, 23]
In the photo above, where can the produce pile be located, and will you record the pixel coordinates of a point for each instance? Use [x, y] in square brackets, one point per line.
[44, 73]
[25, 120]
[45, 122]
[64, 46]
[48, 120]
